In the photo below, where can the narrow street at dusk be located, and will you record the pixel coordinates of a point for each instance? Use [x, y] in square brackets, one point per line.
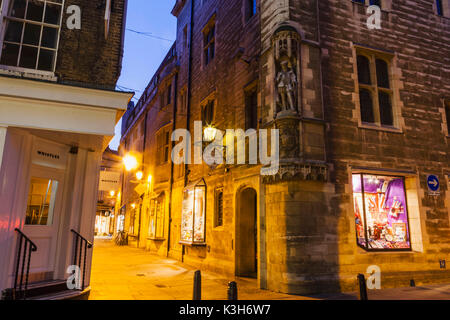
[126, 273]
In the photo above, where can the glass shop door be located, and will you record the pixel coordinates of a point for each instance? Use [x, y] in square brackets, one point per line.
[42, 219]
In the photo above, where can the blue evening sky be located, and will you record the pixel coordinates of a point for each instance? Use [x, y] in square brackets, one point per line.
[144, 53]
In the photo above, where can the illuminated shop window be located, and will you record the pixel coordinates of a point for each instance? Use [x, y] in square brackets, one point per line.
[41, 202]
[31, 31]
[156, 218]
[121, 220]
[381, 215]
[131, 227]
[193, 214]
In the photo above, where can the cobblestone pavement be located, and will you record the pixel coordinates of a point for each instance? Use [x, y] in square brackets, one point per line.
[126, 273]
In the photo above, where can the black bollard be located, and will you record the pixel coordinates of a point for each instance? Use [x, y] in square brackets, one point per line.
[197, 286]
[412, 283]
[232, 291]
[362, 287]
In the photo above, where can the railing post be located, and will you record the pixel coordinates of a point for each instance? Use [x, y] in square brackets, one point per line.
[84, 263]
[232, 291]
[197, 286]
[362, 287]
[75, 252]
[19, 251]
[23, 265]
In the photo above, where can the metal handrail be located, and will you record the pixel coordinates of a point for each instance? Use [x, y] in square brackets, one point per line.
[79, 253]
[31, 246]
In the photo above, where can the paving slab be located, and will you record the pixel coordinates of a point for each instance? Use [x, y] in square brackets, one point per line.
[127, 273]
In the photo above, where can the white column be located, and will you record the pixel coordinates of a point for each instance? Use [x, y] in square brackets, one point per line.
[2, 142]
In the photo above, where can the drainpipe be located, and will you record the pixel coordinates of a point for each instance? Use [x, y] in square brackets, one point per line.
[188, 107]
[174, 127]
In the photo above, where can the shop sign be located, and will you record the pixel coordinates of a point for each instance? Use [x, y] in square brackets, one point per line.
[433, 185]
[140, 189]
[109, 180]
[48, 154]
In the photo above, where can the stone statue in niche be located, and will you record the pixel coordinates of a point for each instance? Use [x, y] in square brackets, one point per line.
[287, 87]
[286, 54]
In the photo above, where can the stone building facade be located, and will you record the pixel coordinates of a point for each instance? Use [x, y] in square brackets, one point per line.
[59, 64]
[363, 127]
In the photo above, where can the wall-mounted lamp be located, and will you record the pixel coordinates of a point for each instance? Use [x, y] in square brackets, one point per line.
[209, 133]
[130, 162]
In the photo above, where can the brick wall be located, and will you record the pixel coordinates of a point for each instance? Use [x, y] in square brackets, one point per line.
[84, 55]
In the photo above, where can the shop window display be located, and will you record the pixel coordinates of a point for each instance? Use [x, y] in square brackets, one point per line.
[156, 224]
[381, 215]
[193, 214]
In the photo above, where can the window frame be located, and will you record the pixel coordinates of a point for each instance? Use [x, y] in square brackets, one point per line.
[210, 102]
[250, 9]
[251, 106]
[218, 219]
[156, 204]
[447, 117]
[408, 215]
[389, 58]
[207, 43]
[163, 146]
[4, 6]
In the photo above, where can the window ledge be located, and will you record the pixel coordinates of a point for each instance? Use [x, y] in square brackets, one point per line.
[28, 73]
[193, 244]
[385, 10]
[156, 239]
[387, 251]
[379, 128]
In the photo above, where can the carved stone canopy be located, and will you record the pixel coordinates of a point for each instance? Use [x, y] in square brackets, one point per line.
[299, 171]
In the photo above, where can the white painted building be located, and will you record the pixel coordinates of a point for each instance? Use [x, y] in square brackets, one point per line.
[58, 111]
[52, 138]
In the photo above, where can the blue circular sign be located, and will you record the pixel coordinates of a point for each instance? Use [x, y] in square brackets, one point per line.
[433, 183]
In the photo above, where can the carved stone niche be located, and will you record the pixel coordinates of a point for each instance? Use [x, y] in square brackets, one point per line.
[286, 52]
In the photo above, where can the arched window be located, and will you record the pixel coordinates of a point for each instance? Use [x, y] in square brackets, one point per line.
[208, 113]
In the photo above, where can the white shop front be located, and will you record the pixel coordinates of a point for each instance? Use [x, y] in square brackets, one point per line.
[52, 137]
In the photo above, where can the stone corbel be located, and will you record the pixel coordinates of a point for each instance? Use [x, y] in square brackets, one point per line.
[296, 172]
